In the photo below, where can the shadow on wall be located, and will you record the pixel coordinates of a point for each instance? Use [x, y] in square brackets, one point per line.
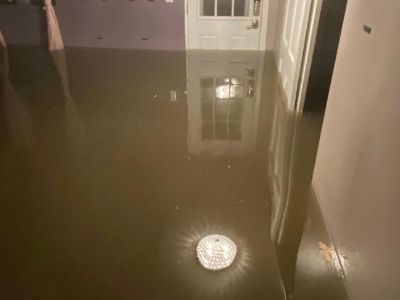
[111, 24]
[324, 57]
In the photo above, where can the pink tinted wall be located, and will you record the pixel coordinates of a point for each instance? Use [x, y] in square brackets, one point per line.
[122, 23]
[137, 24]
[357, 173]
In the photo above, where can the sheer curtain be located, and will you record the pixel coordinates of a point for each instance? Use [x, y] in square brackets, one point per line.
[17, 116]
[53, 29]
[4, 57]
[74, 126]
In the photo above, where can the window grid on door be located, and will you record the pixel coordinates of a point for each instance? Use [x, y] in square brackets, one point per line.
[224, 8]
[221, 108]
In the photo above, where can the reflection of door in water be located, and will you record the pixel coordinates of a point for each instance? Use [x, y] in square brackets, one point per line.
[223, 101]
[280, 167]
[226, 24]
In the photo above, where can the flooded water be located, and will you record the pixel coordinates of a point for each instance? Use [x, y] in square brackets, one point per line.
[115, 163]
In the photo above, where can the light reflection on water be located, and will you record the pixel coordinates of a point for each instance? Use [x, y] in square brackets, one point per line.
[122, 182]
[180, 252]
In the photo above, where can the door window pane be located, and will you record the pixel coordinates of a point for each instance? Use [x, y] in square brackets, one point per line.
[207, 131]
[224, 8]
[236, 111]
[229, 88]
[221, 132]
[234, 132]
[221, 111]
[207, 82]
[207, 112]
[207, 90]
[207, 8]
[221, 108]
[241, 8]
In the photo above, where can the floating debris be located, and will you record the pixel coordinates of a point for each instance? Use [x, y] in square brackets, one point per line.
[326, 252]
[228, 166]
[177, 208]
[240, 201]
[333, 258]
[155, 96]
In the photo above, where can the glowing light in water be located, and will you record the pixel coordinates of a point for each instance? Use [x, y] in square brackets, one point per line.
[216, 252]
[231, 88]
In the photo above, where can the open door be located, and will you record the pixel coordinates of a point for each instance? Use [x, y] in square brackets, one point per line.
[300, 21]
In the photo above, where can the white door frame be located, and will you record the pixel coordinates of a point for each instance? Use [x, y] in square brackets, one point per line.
[308, 54]
[263, 28]
[264, 25]
[295, 74]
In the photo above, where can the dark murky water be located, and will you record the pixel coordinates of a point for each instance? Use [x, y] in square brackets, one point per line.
[115, 163]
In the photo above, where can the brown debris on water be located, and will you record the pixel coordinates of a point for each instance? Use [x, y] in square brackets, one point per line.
[326, 251]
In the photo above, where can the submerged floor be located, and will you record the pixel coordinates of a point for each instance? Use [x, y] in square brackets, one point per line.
[114, 167]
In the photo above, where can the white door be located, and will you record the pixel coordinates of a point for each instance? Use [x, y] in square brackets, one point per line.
[226, 24]
[293, 37]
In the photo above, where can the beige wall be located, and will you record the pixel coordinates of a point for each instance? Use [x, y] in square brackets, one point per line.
[357, 173]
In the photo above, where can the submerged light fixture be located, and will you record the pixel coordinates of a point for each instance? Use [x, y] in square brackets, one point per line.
[216, 252]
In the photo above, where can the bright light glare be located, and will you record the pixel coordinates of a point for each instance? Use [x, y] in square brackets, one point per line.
[230, 89]
[216, 252]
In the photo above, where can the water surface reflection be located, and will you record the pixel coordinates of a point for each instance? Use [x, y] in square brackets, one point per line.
[136, 156]
[224, 93]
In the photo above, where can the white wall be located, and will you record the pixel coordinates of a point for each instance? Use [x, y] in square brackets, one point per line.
[357, 173]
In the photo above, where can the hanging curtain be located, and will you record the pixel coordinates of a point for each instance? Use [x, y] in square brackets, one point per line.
[18, 118]
[53, 29]
[4, 58]
[74, 126]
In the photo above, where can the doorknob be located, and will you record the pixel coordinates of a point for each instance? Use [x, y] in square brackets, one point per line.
[250, 89]
[253, 25]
